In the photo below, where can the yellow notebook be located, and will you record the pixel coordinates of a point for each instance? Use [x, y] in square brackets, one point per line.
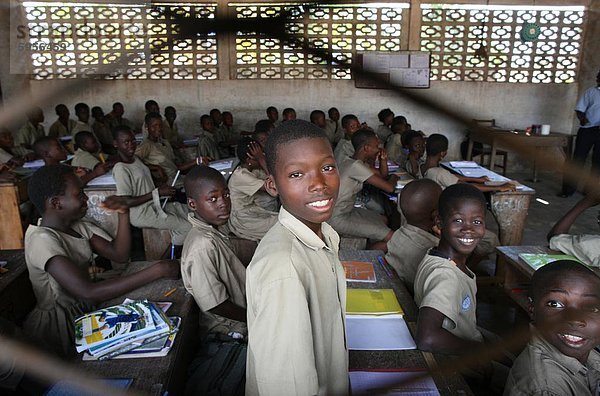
[372, 302]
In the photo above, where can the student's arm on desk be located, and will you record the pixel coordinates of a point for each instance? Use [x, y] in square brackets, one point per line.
[78, 283]
[281, 340]
[563, 225]
[432, 337]
[119, 248]
[383, 184]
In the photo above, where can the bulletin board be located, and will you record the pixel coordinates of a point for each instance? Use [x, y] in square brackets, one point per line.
[408, 69]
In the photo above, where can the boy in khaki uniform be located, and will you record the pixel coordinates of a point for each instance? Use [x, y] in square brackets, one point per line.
[410, 243]
[344, 148]
[64, 125]
[253, 210]
[355, 171]
[85, 155]
[585, 247]
[32, 130]
[210, 270]
[207, 143]
[295, 284]
[560, 358]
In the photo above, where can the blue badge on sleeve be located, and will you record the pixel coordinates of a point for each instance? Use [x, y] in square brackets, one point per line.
[466, 303]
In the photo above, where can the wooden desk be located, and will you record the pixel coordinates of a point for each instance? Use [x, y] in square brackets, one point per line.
[155, 376]
[11, 196]
[16, 293]
[508, 140]
[412, 359]
[514, 274]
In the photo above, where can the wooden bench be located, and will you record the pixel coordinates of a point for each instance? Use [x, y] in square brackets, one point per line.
[156, 242]
[16, 293]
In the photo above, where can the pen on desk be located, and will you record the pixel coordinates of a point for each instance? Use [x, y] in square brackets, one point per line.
[102, 158]
[172, 185]
[173, 290]
[172, 251]
[382, 262]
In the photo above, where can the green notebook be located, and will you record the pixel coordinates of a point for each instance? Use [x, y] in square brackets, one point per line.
[537, 260]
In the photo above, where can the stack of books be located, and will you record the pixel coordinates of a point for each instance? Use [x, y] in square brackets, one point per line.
[123, 329]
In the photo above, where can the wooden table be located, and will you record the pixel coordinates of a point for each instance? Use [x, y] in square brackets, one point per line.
[155, 376]
[452, 384]
[507, 139]
[16, 293]
[514, 273]
[11, 196]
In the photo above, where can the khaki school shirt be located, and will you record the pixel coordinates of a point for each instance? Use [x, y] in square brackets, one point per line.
[84, 159]
[406, 250]
[28, 134]
[333, 130]
[296, 292]
[103, 133]
[394, 149]
[441, 176]
[59, 130]
[541, 369]
[5, 156]
[585, 247]
[416, 173]
[249, 220]
[207, 146]
[158, 153]
[171, 133]
[343, 150]
[212, 273]
[441, 285]
[353, 173]
[383, 132]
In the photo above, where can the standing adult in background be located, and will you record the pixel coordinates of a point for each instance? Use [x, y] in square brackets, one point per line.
[588, 135]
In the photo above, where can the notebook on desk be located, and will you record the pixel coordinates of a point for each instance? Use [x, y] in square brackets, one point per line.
[537, 260]
[372, 302]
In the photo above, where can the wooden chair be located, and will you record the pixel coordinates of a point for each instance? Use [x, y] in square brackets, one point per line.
[485, 150]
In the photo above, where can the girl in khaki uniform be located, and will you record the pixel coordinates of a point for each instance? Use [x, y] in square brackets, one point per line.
[253, 210]
[59, 252]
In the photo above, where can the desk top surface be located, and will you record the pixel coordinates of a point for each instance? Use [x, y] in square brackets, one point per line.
[409, 359]
[151, 375]
[512, 254]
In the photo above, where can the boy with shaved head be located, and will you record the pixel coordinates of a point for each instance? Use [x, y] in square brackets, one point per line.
[410, 243]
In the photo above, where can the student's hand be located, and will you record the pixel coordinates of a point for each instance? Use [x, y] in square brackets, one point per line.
[115, 203]
[29, 157]
[166, 191]
[382, 155]
[255, 151]
[507, 187]
[482, 179]
[101, 168]
[80, 172]
[203, 160]
[583, 120]
[15, 162]
[170, 269]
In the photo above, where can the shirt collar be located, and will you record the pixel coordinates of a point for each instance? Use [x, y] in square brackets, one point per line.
[203, 225]
[330, 241]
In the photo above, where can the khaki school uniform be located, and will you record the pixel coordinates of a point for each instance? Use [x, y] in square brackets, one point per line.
[103, 133]
[541, 369]
[114, 122]
[171, 133]
[416, 173]
[58, 129]
[52, 320]
[334, 131]
[343, 150]
[80, 127]
[441, 176]
[296, 293]
[207, 146]
[383, 132]
[406, 250]
[441, 285]
[347, 219]
[249, 220]
[585, 247]
[212, 273]
[394, 149]
[84, 159]
[28, 134]
[159, 153]
[134, 180]
[5, 156]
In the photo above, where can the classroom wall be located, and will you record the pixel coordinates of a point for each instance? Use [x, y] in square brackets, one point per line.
[512, 105]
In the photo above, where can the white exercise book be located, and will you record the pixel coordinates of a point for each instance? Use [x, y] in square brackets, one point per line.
[378, 333]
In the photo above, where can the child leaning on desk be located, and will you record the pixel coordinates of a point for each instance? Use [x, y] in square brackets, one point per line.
[295, 284]
[564, 305]
[59, 252]
[445, 288]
